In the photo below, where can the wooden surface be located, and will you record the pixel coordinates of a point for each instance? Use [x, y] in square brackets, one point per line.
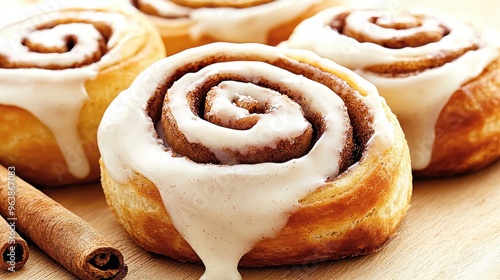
[452, 231]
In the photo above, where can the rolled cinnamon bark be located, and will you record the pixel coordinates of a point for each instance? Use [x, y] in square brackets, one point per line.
[64, 236]
[14, 249]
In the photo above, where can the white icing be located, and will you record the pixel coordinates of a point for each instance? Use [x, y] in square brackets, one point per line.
[251, 24]
[56, 97]
[410, 98]
[224, 210]
[167, 8]
[86, 36]
[271, 127]
[282, 113]
[227, 93]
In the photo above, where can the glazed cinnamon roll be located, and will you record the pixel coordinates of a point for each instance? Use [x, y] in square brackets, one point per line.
[440, 77]
[247, 154]
[186, 23]
[58, 72]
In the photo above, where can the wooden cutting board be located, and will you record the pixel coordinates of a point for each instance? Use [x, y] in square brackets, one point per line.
[452, 231]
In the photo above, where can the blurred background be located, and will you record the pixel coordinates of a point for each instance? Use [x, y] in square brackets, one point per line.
[481, 12]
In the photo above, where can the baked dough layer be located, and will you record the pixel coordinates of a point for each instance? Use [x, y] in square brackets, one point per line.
[468, 128]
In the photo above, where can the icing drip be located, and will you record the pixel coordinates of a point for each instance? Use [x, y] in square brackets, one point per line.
[409, 94]
[56, 97]
[251, 24]
[224, 210]
[57, 107]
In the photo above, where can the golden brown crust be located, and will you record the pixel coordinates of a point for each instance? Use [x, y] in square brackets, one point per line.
[352, 214]
[38, 158]
[176, 36]
[468, 128]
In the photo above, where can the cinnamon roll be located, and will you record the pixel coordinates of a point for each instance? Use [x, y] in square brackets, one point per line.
[185, 24]
[247, 154]
[58, 72]
[439, 75]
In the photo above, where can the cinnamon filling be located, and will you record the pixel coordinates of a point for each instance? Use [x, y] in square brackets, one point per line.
[394, 22]
[284, 150]
[418, 65]
[60, 37]
[357, 137]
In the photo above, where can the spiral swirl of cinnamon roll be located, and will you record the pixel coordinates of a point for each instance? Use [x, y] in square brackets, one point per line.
[56, 47]
[419, 59]
[56, 72]
[250, 118]
[241, 150]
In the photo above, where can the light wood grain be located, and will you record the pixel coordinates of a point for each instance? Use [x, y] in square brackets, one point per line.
[452, 231]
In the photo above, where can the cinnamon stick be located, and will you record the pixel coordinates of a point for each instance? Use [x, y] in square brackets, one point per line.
[61, 234]
[14, 248]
